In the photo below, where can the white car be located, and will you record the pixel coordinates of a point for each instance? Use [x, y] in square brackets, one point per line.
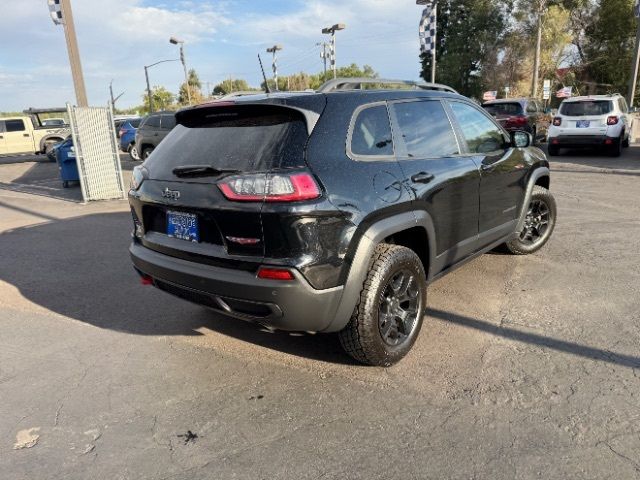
[591, 122]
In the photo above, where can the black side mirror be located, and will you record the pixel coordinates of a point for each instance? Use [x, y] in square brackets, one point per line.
[520, 139]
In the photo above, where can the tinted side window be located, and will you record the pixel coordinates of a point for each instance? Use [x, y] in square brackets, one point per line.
[482, 135]
[425, 130]
[14, 126]
[372, 133]
[168, 121]
[153, 122]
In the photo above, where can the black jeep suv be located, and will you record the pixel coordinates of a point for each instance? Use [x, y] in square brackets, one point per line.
[332, 211]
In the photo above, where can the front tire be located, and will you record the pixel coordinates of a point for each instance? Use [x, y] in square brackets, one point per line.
[386, 322]
[538, 225]
[133, 152]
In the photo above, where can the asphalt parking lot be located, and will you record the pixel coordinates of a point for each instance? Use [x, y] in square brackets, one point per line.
[526, 367]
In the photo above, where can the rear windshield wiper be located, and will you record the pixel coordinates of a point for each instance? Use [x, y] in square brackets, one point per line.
[201, 171]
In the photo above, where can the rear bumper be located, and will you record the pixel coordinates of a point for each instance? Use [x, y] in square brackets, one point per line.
[581, 140]
[284, 305]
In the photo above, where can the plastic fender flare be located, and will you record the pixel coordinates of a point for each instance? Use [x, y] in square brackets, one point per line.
[538, 173]
[44, 140]
[362, 258]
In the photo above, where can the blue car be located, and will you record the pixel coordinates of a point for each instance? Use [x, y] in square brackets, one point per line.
[127, 134]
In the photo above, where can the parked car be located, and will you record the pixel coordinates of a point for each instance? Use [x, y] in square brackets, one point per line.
[596, 121]
[332, 211]
[54, 122]
[127, 135]
[527, 114]
[27, 134]
[152, 130]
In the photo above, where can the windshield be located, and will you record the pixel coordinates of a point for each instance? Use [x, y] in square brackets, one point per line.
[586, 108]
[245, 139]
[504, 108]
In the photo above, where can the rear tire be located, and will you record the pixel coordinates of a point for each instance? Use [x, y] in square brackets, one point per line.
[616, 148]
[388, 317]
[553, 151]
[146, 152]
[626, 142]
[539, 223]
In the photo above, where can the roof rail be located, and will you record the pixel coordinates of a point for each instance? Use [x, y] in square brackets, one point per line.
[357, 82]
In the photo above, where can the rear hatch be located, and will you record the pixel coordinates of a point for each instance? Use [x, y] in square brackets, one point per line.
[197, 199]
[508, 114]
[585, 117]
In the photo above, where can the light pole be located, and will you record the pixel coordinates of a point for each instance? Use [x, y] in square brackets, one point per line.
[332, 45]
[146, 75]
[175, 41]
[61, 14]
[274, 50]
[636, 57]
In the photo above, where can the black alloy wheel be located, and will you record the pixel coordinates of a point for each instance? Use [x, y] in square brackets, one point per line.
[399, 308]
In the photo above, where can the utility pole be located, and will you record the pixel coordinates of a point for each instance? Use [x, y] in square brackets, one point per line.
[62, 14]
[636, 57]
[175, 41]
[323, 56]
[542, 4]
[332, 45]
[274, 50]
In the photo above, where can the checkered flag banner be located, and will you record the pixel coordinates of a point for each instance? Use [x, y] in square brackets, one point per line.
[427, 29]
[55, 10]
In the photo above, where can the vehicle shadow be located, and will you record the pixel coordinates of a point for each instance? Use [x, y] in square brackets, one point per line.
[596, 158]
[43, 179]
[80, 268]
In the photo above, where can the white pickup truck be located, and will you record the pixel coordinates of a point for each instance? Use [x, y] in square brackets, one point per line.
[26, 134]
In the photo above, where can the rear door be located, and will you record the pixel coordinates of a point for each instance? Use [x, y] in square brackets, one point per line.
[245, 144]
[18, 138]
[502, 170]
[3, 144]
[445, 181]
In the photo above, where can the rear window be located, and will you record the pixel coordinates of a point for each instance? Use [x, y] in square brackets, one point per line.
[504, 109]
[586, 108]
[243, 138]
[371, 134]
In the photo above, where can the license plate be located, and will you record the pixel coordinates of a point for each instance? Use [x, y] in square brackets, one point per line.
[583, 124]
[183, 226]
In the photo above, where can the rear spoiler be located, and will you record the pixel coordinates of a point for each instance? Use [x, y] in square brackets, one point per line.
[311, 117]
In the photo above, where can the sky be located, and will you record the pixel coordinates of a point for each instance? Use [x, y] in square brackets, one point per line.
[222, 38]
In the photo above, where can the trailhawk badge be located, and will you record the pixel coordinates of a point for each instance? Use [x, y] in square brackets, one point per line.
[171, 194]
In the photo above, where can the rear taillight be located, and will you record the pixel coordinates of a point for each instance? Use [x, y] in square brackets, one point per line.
[518, 120]
[122, 131]
[293, 187]
[557, 121]
[613, 120]
[269, 273]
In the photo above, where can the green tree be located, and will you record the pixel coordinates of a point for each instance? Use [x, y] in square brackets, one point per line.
[609, 43]
[195, 87]
[231, 85]
[162, 99]
[470, 33]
